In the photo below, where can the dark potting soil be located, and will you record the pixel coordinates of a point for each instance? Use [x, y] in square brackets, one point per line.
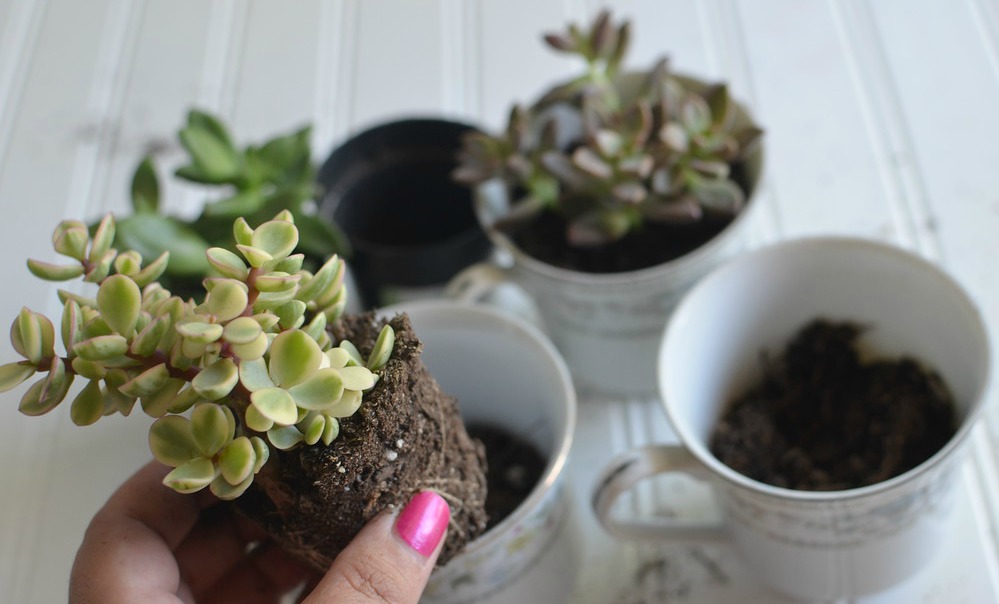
[824, 420]
[544, 238]
[513, 468]
[407, 436]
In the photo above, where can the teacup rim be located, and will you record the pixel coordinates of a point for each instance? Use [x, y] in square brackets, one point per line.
[557, 463]
[933, 270]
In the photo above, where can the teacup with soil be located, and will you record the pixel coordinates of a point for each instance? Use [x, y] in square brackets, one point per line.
[833, 446]
[516, 397]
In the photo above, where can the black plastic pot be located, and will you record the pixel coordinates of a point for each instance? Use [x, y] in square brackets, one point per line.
[389, 188]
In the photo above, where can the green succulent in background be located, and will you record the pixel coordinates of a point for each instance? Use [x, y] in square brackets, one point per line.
[608, 154]
[250, 368]
[255, 183]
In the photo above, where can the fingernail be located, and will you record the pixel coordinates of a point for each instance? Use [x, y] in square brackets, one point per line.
[422, 522]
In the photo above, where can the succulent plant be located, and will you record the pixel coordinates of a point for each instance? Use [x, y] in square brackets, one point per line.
[256, 182]
[608, 153]
[249, 369]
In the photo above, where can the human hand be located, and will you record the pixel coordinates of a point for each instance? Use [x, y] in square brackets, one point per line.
[153, 545]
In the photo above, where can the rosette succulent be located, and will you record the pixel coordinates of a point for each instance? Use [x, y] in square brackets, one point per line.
[610, 151]
[250, 369]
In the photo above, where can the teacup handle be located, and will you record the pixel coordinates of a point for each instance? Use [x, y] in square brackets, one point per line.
[633, 466]
[481, 283]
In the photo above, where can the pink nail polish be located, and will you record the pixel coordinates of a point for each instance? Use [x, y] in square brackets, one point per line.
[422, 522]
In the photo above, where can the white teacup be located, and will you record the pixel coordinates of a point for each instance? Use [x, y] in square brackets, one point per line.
[505, 373]
[816, 545]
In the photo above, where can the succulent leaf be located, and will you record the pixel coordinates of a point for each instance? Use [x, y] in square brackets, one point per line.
[226, 491]
[171, 441]
[88, 406]
[146, 383]
[103, 238]
[294, 358]
[54, 272]
[192, 476]
[314, 429]
[285, 437]
[227, 300]
[101, 348]
[319, 391]
[237, 460]
[217, 380]
[331, 429]
[227, 263]
[211, 429]
[257, 421]
[348, 404]
[276, 404]
[119, 301]
[70, 239]
[13, 375]
[382, 349]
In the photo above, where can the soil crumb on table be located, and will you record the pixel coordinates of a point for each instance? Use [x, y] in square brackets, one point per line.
[824, 420]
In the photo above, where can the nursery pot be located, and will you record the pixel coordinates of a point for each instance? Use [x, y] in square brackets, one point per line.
[818, 545]
[506, 375]
[606, 325]
[411, 228]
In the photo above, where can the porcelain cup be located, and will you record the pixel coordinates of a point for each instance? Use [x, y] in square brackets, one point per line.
[813, 545]
[506, 374]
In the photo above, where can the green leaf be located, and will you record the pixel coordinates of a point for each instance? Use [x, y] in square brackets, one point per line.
[192, 476]
[54, 272]
[13, 375]
[89, 369]
[238, 460]
[88, 406]
[26, 336]
[200, 332]
[211, 429]
[252, 351]
[50, 390]
[357, 378]
[383, 349]
[119, 301]
[276, 237]
[103, 238]
[255, 256]
[211, 124]
[314, 429]
[285, 437]
[70, 238]
[348, 404]
[254, 376]
[291, 314]
[338, 357]
[217, 380]
[319, 391]
[101, 348]
[162, 400]
[153, 271]
[276, 281]
[172, 441]
[316, 328]
[145, 188]
[294, 358]
[721, 196]
[217, 161]
[331, 429]
[327, 277]
[257, 421]
[153, 234]
[65, 296]
[227, 263]
[184, 400]
[128, 263]
[241, 232]
[227, 300]
[225, 491]
[276, 405]
[242, 330]
[145, 343]
[146, 383]
[102, 268]
[243, 203]
[262, 452]
[291, 265]
[355, 354]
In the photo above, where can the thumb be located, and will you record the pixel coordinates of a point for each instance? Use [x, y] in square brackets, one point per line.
[390, 560]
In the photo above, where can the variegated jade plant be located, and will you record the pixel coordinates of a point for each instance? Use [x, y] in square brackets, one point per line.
[251, 368]
[608, 157]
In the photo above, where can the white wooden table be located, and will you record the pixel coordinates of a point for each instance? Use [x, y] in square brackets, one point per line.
[882, 121]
